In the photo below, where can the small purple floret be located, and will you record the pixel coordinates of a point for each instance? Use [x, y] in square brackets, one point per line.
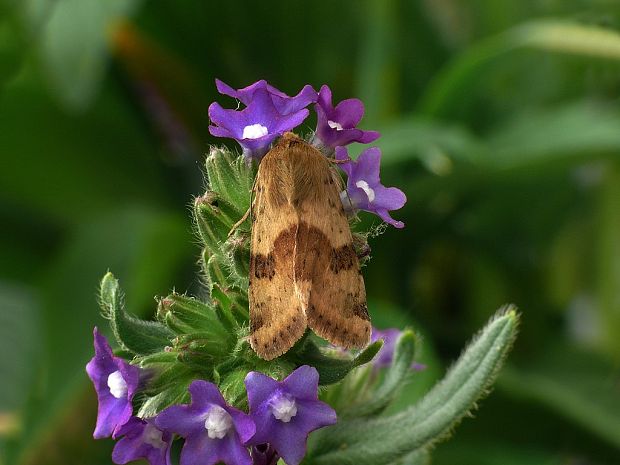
[283, 103]
[141, 439]
[256, 126]
[116, 382]
[364, 188]
[213, 430]
[386, 355]
[337, 126]
[286, 412]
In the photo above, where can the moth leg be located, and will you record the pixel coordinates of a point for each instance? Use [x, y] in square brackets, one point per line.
[240, 222]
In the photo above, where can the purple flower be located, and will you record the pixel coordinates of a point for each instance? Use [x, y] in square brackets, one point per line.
[364, 189]
[386, 354]
[142, 440]
[116, 382]
[337, 126]
[286, 412]
[213, 431]
[256, 126]
[283, 103]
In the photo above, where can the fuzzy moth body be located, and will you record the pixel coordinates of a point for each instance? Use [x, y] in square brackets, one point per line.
[304, 271]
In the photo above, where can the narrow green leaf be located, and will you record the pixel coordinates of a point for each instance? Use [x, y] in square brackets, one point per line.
[461, 75]
[579, 385]
[74, 44]
[563, 133]
[385, 439]
[395, 378]
[136, 335]
[418, 457]
[332, 370]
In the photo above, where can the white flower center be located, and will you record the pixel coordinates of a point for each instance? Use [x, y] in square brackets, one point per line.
[254, 131]
[283, 407]
[117, 384]
[218, 422]
[153, 437]
[366, 188]
[335, 125]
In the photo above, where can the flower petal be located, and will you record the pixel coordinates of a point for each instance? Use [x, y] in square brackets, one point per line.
[303, 383]
[204, 393]
[349, 112]
[243, 424]
[385, 216]
[390, 198]
[367, 166]
[259, 387]
[184, 420]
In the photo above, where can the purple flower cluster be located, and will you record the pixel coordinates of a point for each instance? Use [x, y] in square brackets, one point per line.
[281, 415]
[268, 113]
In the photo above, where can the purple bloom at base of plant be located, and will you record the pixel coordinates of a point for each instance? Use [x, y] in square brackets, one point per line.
[264, 454]
[116, 382]
[336, 126]
[286, 412]
[283, 103]
[142, 440]
[256, 126]
[364, 188]
[213, 430]
[386, 354]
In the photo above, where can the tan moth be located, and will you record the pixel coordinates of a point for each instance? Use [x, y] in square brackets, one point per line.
[304, 271]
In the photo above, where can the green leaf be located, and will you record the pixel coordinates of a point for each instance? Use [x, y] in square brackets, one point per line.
[19, 336]
[567, 132]
[437, 145]
[577, 384]
[456, 80]
[385, 439]
[73, 41]
[134, 334]
[331, 369]
[395, 378]
[418, 457]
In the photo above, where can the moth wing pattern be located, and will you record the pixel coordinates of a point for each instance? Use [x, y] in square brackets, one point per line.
[277, 319]
[327, 271]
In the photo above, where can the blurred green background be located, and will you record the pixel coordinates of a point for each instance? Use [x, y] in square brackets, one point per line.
[500, 121]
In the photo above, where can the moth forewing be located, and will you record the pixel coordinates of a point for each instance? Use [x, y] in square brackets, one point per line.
[303, 268]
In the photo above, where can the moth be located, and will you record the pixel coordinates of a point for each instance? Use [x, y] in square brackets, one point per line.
[304, 271]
